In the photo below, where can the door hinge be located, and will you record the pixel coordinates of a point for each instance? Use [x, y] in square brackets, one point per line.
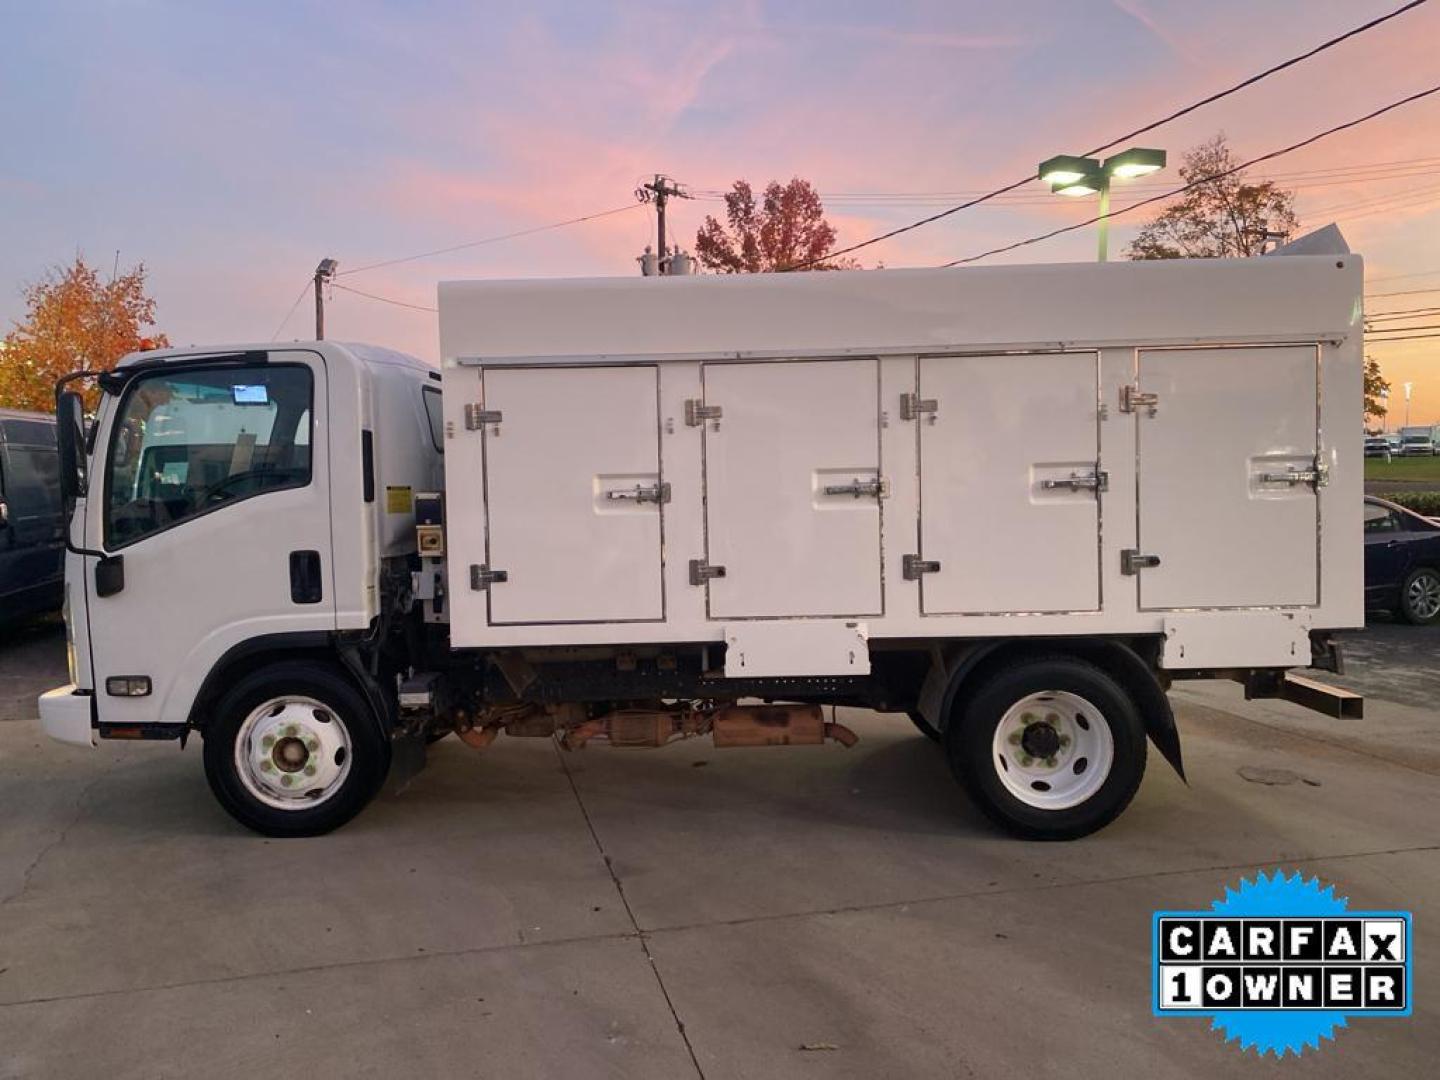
[1096, 481]
[482, 577]
[912, 566]
[1132, 400]
[697, 412]
[642, 493]
[913, 406]
[701, 571]
[1317, 476]
[1132, 562]
[477, 416]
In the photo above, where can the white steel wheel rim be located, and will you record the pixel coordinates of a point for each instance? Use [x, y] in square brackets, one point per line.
[292, 753]
[1424, 594]
[1053, 750]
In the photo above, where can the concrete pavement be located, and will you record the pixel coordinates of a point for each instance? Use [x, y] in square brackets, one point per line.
[685, 912]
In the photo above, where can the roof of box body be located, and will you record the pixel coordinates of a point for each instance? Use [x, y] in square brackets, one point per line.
[1304, 298]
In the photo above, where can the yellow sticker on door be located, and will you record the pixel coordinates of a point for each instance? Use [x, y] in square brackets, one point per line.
[399, 500]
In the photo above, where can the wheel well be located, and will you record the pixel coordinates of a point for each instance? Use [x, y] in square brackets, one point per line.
[1133, 663]
[252, 656]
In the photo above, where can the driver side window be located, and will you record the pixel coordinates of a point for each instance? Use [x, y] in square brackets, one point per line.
[191, 441]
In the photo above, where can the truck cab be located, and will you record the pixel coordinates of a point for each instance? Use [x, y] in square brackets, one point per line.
[243, 503]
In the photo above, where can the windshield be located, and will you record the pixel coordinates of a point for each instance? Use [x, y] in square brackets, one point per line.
[187, 442]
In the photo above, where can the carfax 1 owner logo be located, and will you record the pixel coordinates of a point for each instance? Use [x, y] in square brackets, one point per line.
[1280, 963]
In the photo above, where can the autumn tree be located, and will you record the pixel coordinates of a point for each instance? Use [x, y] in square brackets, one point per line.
[1222, 216]
[74, 320]
[1376, 387]
[785, 230]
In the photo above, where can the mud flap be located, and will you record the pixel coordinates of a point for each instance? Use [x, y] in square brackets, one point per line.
[407, 759]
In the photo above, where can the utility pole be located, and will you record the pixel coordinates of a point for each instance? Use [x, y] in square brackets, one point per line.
[323, 273]
[660, 190]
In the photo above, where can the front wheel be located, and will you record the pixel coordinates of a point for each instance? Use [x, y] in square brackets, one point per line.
[294, 750]
[1050, 748]
[1420, 597]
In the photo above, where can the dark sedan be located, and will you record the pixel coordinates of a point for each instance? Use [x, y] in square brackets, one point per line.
[1402, 562]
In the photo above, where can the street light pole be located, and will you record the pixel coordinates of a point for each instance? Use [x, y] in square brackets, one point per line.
[1078, 176]
[323, 273]
[1104, 221]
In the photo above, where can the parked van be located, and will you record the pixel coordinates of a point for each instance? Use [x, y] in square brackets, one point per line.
[32, 528]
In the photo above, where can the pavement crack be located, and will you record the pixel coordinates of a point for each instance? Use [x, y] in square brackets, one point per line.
[77, 813]
[982, 894]
[640, 935]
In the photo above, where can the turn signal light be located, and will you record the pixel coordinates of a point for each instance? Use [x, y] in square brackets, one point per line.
[128, 685]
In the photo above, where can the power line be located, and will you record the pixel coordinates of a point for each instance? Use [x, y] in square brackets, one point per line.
[289, 314]
[382, 299]
[1406, 313]
[1351, 175]
[1415, 337]
[1401, 329]
[1402, 292]
[1204, 179]
[1251, 81]
[490, 240]
[1397, 277]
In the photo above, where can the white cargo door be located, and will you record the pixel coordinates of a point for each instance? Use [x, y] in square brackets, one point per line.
[1225, 503]
[792, 467]
[572, 478]
[1009, 462]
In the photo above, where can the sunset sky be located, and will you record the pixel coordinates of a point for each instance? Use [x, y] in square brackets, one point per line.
[230, 146]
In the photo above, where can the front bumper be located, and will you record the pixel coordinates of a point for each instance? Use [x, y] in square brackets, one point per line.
[66, 714]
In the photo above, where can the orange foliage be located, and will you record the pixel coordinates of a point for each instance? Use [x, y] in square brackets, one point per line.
[74, 321]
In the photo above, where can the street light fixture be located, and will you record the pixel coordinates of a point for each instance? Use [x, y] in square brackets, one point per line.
[1076, 177]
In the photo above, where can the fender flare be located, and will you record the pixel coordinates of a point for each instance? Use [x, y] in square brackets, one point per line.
[953, 672]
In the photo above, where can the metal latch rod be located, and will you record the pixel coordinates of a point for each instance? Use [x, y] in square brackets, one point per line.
[640, 493]
[1319, 476]
[913, 406]
[877, 489]
[1096, 481]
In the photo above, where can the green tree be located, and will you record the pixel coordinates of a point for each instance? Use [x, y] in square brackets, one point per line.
[784, 230]
[1375, 386]
[74, 320]
[1223, 217]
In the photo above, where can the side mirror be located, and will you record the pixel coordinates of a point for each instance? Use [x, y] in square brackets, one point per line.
[70, 441]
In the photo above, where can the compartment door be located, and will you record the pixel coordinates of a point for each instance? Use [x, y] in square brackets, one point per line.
[1009, 488]
[1225, 502]
[574, 495]
[793, 488]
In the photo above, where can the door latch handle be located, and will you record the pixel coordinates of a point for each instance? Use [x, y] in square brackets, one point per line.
[640, 493]
[876, 489]
[1319, 476]
[1096, 481]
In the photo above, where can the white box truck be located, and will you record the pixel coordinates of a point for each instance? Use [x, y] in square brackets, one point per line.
[1011, 504]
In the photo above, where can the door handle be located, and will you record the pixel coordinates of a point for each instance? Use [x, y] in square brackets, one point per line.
[1096, 481]
[641, 493]
[306, 585]
[875, 489]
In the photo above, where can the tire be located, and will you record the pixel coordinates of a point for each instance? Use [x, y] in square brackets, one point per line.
[924, 726]
[1420, 596]
[1095, 743]
[302, 725]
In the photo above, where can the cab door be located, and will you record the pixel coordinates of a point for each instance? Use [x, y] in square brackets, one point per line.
[210, 496]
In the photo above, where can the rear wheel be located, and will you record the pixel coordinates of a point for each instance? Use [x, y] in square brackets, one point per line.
[294, 750]
[1051, 748]
[1420, 596]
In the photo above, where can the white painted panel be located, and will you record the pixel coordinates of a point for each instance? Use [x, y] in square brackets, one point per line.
[1226, 418]
[1004, 426]
[568, 437]
[789, 430]
[770, 648]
